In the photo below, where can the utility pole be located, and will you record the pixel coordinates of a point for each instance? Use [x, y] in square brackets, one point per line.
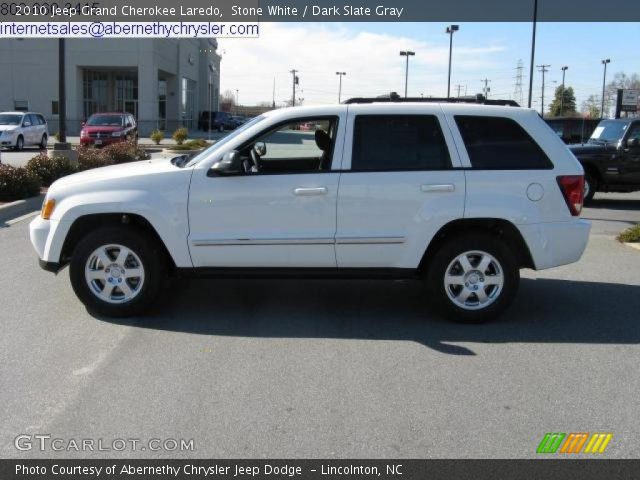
[340, 74]
[486, 88]
[295, 82]
[544, 69]
[458, 88]
[564, 71]
[604, 81]
[406, 71]
[533, 49]
[62, 100]
[237, 101]
[273, 101]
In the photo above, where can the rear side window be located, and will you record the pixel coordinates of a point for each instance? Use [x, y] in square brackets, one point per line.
[497, 143]
[398, 142]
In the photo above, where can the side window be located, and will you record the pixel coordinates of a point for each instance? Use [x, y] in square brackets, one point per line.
[498, 143]
[41, 120]
[635, 132]
[398, 142]
[304, 145]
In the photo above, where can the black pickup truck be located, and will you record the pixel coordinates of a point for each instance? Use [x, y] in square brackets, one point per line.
[611, 157]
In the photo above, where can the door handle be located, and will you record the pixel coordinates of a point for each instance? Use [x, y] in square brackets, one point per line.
[309, 191]
[438, 188]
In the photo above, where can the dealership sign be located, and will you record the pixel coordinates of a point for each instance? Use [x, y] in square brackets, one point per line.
[629, 101]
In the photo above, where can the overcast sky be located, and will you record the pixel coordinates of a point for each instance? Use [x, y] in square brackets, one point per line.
[369, 53]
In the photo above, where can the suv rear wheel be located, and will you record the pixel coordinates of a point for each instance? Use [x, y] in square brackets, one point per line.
[473, 277]
[590, 186]
[116, 271]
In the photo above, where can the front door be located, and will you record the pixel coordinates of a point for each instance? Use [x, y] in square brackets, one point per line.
[280, 211]
[631, 156]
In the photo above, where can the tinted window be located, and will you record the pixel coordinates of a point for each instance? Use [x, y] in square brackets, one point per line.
[398, 142]
[496, 143]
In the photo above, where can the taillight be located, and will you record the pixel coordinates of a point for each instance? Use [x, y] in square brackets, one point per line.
[572, 188]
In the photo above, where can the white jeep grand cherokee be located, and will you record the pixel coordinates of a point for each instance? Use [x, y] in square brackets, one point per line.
[461, 196]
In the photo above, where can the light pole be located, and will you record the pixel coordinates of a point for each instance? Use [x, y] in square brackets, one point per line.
[564, 71]
[407, 54]
[450, 30]
[340, 74]
[237, 100]
[604, 81]
[533, 49]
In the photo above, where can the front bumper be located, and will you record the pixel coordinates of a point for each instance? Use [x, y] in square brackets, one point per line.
[52, 267]
[87, 141]
[556, 243]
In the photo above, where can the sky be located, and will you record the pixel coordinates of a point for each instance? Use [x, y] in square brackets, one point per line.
[369, 54]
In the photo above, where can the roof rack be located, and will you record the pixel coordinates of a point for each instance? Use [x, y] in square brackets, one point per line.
[393, 97]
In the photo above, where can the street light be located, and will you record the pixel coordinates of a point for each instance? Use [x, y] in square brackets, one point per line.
[604, 80]
[237, 101]
[564, 71]
[340, 74]
[406, 71]
[450, 30]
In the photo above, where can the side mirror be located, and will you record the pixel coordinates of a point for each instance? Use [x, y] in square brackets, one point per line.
[229, 165]
[83, 124]
[26, 124]
[260, 148]
[632, 143]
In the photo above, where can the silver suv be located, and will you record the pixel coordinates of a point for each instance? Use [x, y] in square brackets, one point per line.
[21, 129]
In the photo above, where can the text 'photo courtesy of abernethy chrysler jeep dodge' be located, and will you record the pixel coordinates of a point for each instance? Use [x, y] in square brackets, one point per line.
[459, 196]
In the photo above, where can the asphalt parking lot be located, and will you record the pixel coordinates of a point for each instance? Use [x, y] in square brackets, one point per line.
[327, 369]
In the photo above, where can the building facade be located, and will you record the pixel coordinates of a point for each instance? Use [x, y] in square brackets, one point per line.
[164, 83]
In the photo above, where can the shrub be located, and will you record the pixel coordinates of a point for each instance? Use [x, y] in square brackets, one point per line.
[197, 143]
[157, 136]
[92, 158]
[48, 170]
[630, 235]
[180, 135]
[17, 183]
[125, 152]
[57, 137]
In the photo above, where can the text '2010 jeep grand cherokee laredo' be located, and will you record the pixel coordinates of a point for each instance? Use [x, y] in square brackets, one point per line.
[462, 196]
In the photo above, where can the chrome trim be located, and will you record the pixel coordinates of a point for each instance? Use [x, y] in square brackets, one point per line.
[369, 240]
[300, 241]
[263, 241]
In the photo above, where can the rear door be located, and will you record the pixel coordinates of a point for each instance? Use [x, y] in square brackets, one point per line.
[400, 184]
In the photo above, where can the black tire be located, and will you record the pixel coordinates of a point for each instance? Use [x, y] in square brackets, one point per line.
[43, 142]
[590, 187]
[221, 128]
[474, 241]
[19, 144]
[146, 249]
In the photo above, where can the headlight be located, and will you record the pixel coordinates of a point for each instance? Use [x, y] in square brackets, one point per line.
[47, 208]
[83, 133]
[117, 134]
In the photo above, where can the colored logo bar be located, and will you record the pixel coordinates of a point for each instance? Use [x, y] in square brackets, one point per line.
[574, 443]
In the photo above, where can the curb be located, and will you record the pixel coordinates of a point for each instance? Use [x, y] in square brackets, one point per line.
[635, 245]
[19, 208]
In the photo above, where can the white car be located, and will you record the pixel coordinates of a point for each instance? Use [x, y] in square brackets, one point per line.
[23, 129]
[460, 196]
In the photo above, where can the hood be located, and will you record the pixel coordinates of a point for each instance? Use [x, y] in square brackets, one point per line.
[134, 175]
[589, 149]
[8, 128]
[101, 128]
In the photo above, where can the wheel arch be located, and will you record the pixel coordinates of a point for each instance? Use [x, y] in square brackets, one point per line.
[86, 223]
[498, 227]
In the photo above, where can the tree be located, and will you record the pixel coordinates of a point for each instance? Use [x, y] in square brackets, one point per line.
[227, 101]
[591, 107]
[564, 103]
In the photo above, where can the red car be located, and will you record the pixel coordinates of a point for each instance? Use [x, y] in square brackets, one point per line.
[107, 128]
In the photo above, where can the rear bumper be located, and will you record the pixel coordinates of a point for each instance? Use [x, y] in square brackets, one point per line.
[557, 243]
[53, 267]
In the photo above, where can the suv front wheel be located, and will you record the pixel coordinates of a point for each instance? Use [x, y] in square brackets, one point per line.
[473, 277]
[116, 271]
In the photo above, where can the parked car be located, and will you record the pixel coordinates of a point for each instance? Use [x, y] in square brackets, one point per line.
[220, 121]
[459, 196]
[237, 120]
[23, 129]
[106, 128]
[611, 157]
[573, 130]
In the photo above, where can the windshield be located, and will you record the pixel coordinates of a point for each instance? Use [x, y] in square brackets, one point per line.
[106, 121]
[10, 119]
[224, 140]
[608, 131]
